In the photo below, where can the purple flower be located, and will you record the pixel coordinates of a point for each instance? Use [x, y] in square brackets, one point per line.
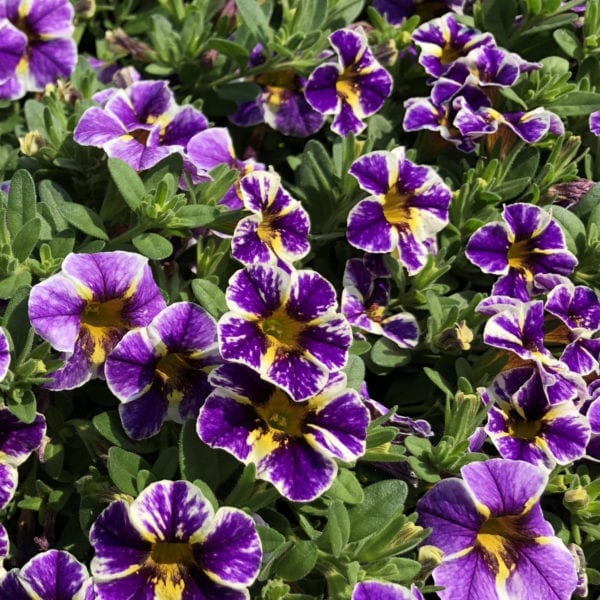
[281, 105]
[527, 243]
[495, 539]
[213, 147]
[286, 327]
[4, 354]
[398, 10]
[408, 207]
[293, 444]
[170, 543]
[595, 122]
[54, 574]
[593, 415]
[160, 372]
[37, 34]
[84, 310]
[365, 301]
[140, 125]
[383, 590]
[353, 89]
[523, 425]
[277, 231]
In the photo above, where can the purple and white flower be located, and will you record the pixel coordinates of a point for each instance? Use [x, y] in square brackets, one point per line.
[160, 372]
[293, 444]
[594, 122]
[170, 543]
[495, 539]
[353, 89]
[84, 310]
[286, 327]
[398, 10]
[384, 590]
[4, 354]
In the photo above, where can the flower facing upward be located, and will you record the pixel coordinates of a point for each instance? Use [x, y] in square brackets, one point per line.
[408, 207]
[286, 327]
[496, 543]
[353, 89]
[170, 544]
[159, 372]
[86, 309]
[293, 444]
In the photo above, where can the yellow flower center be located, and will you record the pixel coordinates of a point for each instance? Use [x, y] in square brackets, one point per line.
[397, 209]
[518, 254]
[278, 85]
[171, 553]
[171, 366]
[498, 539]
[266, 231]
[102, 326]
[104, 314]
[523, 429]
[283, 415]
[282, 329]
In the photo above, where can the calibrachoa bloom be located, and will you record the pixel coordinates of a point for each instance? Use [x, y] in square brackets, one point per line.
[159, 372]
[286, 327]
[38, 35]
[86, 309]
[523, 425]
[4, 355]
[496, 542]
[364, 302]
[170, 543]
[527, 243]
[277, 232]
[51, 575]
[593, 416]
[595, 122]
[408, 207]
[293, 444]
[398, 10]
[384, 590]
[140, 125]
[17, 441]
[353, 89]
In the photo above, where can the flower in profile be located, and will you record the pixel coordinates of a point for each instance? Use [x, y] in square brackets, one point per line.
[408, 207]
[170, 543]
[523, 425]
[54, 574]
[141, 125]
[39, 33]
[495, 539]
[84, 310]
[527, 243]
[293, 444]
[4, 354]
[17, 441]
[286, 327]
[160, 372]
[365, 300]
[353, 89]
[277, 231]
[384, 590]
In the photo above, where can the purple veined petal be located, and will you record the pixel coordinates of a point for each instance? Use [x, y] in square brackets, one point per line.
[11, 587]
[495, 304]
[311, 296]
[47, 61]
[347, 120]
[579, 358]
[97, 127]
[360, 279]
[349, 44]
[17, 439]
[504, 487]
[247, 245]
[374, 87]
[12, 89]
[9, 477]
[210, 148]
[567, 433]
[300, 377]
[4, 546]
[514, 284]
[241, 340]
[339, 428]
[50, 18]
[77, 370]
[377, 172]
[328, 342]
[422, 113]
[137, 155]
[402, 329]
[240, 382]
[170, 511]
[293, 227]
[187, 122]
[413, 253]
[143, 416]
[14, 45]
[231, 551]
[293, 116]
[320, 91]
[381, 590]
[368, 228]
[4, 354]
[248, 114]
[152, 101]
[594, 122]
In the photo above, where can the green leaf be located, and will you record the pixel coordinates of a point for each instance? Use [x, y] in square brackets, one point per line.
[172, 164]
[25, 408]
[346, 488]
[338, 527]
[123, 468]
[84, 219]
[572, 227]
[166, 464]
[236, 52]
[210, 296]
[239, 92]
[270, 538]
[575, 104]
[26, 239]
[587, 204]
[54, 456]
[499, 18]
[255, 20]
[298, 561]
[153, 245]
[567, 41]
[389, 355]
[21, 201]
[16, 318]
[310, 16]
[240, 493]
[108, 425]
[13, 282]
[128, 182]
[355, 372]
[197, 215]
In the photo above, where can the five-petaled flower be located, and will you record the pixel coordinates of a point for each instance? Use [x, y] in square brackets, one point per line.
[84, 310]
[408, 207]
[293, 444]
[170, 543]
[286, 327]
[496, 542]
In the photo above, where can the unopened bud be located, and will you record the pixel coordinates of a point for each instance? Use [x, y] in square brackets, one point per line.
[459, 336]
[570, 193]
[121, 44]
[85, 9]
[430, 556]
[32, 143]
[577, 498]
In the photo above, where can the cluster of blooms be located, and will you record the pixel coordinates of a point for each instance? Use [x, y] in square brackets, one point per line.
[468, 70]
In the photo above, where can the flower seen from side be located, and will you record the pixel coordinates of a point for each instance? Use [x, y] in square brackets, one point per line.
[277, 231]
[286, 327]
[353, 89]
[496, 542]
[170, 543]
[293, 444]
[86, 308]
[408, 207]
[160, 372]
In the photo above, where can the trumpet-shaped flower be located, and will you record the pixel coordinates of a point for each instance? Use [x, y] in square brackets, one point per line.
[496, 542]
[159, 372]
[277, 232]
[293, 444]
[286, 327]
[84, 310]
[527, 243]
[408, 207]
[37, 35]
[170, 543]
[4, 355]
[353, 89]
